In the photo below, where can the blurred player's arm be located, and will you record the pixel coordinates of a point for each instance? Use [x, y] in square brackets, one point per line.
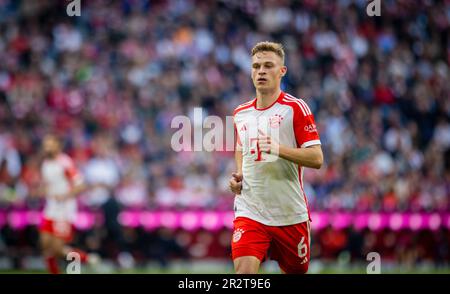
[77, 184]
[38, 190]
[77, 189]
[73, 192]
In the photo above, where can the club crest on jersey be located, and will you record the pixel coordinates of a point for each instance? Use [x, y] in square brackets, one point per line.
[237, 234]
[275, 121]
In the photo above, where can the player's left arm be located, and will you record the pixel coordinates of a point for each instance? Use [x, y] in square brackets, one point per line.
[77, 183]
[74, 191]
[77, 189]
[311, 156]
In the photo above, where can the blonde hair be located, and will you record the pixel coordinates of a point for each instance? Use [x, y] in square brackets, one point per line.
[277, 48]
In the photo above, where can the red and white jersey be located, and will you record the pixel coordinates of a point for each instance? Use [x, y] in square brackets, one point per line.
[59, 175]
[272, 190]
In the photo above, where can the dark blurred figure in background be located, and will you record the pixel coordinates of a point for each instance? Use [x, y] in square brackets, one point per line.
[102, 170]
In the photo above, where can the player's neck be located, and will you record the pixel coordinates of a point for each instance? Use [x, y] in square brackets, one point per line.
[52, 156]
[266, 98]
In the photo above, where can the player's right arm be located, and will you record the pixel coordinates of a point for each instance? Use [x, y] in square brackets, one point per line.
[236, 177]
[238, 159]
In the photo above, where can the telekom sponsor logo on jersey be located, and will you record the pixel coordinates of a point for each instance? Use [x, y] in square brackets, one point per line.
[212, 133]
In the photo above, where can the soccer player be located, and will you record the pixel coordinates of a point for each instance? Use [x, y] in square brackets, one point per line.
[276, 139]
[62, 182]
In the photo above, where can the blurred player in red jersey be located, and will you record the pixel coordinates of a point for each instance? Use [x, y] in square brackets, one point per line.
[276, 139]
[62, 182]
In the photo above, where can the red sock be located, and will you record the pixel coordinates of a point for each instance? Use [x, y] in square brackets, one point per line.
[52, 265]
[83, 254]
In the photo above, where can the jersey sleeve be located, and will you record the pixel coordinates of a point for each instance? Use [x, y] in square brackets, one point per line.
[306, 133]
[70, 170]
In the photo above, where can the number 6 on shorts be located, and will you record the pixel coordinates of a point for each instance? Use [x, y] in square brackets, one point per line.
[302, 248]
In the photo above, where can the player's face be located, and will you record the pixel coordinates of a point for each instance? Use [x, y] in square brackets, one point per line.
[267, 70]
[50, 146]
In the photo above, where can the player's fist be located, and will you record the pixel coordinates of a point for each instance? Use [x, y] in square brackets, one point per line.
[268, 145]
[236, 183]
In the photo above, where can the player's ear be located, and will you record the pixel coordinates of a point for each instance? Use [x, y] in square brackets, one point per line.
[283, 71]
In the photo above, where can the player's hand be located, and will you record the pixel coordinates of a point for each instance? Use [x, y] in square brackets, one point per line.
[59, 197]
[38, 190]
[98, 186]
[236, 183]
[268, 145]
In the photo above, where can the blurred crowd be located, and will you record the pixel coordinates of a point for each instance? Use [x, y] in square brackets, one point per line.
[110, 81]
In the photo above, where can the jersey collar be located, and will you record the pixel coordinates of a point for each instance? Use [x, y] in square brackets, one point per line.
[280, 97]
